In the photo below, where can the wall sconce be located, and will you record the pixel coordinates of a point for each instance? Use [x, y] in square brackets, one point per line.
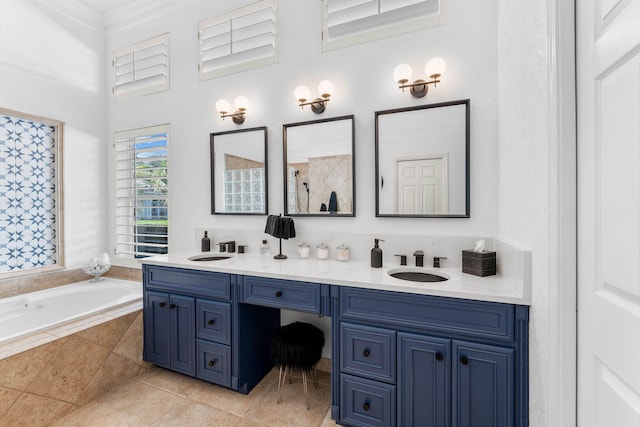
[419, 88]
[241, 103]
[319, 104]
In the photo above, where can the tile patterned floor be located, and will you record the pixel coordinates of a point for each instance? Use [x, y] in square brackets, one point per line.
[159, 397]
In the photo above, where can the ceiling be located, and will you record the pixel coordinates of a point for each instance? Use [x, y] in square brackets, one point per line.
[104, 6]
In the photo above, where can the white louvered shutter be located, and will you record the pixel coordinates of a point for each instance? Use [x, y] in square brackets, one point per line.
[142, 192]
[349, 22]
[241, 40]
[141, 68]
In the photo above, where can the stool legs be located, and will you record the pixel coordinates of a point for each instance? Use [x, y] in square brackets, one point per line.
[282, 379]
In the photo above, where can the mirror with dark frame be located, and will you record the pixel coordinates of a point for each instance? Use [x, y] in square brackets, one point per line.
[422, 161]
[239, 172]
[319, 167]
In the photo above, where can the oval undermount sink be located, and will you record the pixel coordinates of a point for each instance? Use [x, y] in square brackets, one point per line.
[208, 257]
[416, 275]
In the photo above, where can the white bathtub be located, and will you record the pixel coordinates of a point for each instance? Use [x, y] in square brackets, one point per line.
[26, 314]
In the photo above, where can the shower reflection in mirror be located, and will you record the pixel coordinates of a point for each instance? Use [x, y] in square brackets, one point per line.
[319, 167]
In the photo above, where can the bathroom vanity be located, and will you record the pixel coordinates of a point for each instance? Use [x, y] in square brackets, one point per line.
[403, 354]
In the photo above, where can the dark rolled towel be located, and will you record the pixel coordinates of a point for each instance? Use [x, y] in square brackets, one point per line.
[333, 202]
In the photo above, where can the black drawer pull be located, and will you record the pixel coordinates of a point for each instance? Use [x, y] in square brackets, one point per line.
[162, 304]
[172, 306]
[439, 357]
[212, 362]
[211, 322]
[366, 406]
[278, 294]
[366, 352]
[464, 360]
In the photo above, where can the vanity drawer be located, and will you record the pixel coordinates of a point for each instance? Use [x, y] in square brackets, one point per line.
[213, 321]
[479, 319]
[368, 352]
[289, 294]
[188, 282]
[213, 362]
[367, 403]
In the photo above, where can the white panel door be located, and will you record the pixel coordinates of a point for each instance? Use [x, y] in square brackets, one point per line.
[608, 74]
[422, 186]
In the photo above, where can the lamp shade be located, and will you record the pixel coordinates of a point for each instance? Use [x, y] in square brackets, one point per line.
[301, 93]
[223, 106]
[241, 102]
[325, 88]
[435, 67]
[402, 73]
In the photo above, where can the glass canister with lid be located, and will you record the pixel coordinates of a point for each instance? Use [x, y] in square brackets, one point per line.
[304, 250]
[322, 251]
[343, 253]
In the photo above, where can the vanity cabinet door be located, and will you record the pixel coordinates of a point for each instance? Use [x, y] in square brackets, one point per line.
[156, 328]
[424, 387]
[182, 334]
[483, 385]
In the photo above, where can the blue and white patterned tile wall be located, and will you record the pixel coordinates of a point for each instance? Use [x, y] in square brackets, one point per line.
[28, 194]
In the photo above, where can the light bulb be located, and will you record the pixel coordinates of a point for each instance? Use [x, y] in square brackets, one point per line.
[223, 106]
[402, 73]
[301, 93]
[241, 102]
[435, 67]
[325, 88]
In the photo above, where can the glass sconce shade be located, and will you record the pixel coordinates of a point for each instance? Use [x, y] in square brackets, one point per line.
[435, 67]
[301, 93]
[241, 102]
[223, 106]
[402, 73]
[325, 88]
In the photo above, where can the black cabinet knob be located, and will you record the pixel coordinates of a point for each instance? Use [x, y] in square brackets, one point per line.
[212, 362]
[366, 406]
[366, 352]
[464, 360]
[278, 294]
[162, 304]
[211, 322]
[172, 306]
[439, 357]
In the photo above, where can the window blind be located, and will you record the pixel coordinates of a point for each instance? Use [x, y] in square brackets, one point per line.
[241, 40]
[141, 68]
[142, 192]
[348, 22]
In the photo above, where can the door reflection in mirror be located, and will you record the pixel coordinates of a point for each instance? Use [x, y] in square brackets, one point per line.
[239, 172]
[422, 155]
[319, 167]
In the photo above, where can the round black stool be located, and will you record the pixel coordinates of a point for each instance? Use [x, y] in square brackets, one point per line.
[297, 346]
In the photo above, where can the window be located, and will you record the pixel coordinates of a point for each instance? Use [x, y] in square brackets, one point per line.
[30, 193]
[142, 192]
[241, 40]
[350, 22]
[142, 68]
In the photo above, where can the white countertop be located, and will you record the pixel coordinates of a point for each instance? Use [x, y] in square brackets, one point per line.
[356, 274]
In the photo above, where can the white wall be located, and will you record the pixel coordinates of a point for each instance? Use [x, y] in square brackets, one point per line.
[363, 81]
[52, 65]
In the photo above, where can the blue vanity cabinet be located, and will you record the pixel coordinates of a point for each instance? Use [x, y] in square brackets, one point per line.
[187, 322]
[411, 360]
[170, 337]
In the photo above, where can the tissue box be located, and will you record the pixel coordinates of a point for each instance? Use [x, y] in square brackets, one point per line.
[479, 263]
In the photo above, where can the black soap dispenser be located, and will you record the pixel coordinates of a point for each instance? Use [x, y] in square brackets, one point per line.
[205, 243]
[376, 254]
